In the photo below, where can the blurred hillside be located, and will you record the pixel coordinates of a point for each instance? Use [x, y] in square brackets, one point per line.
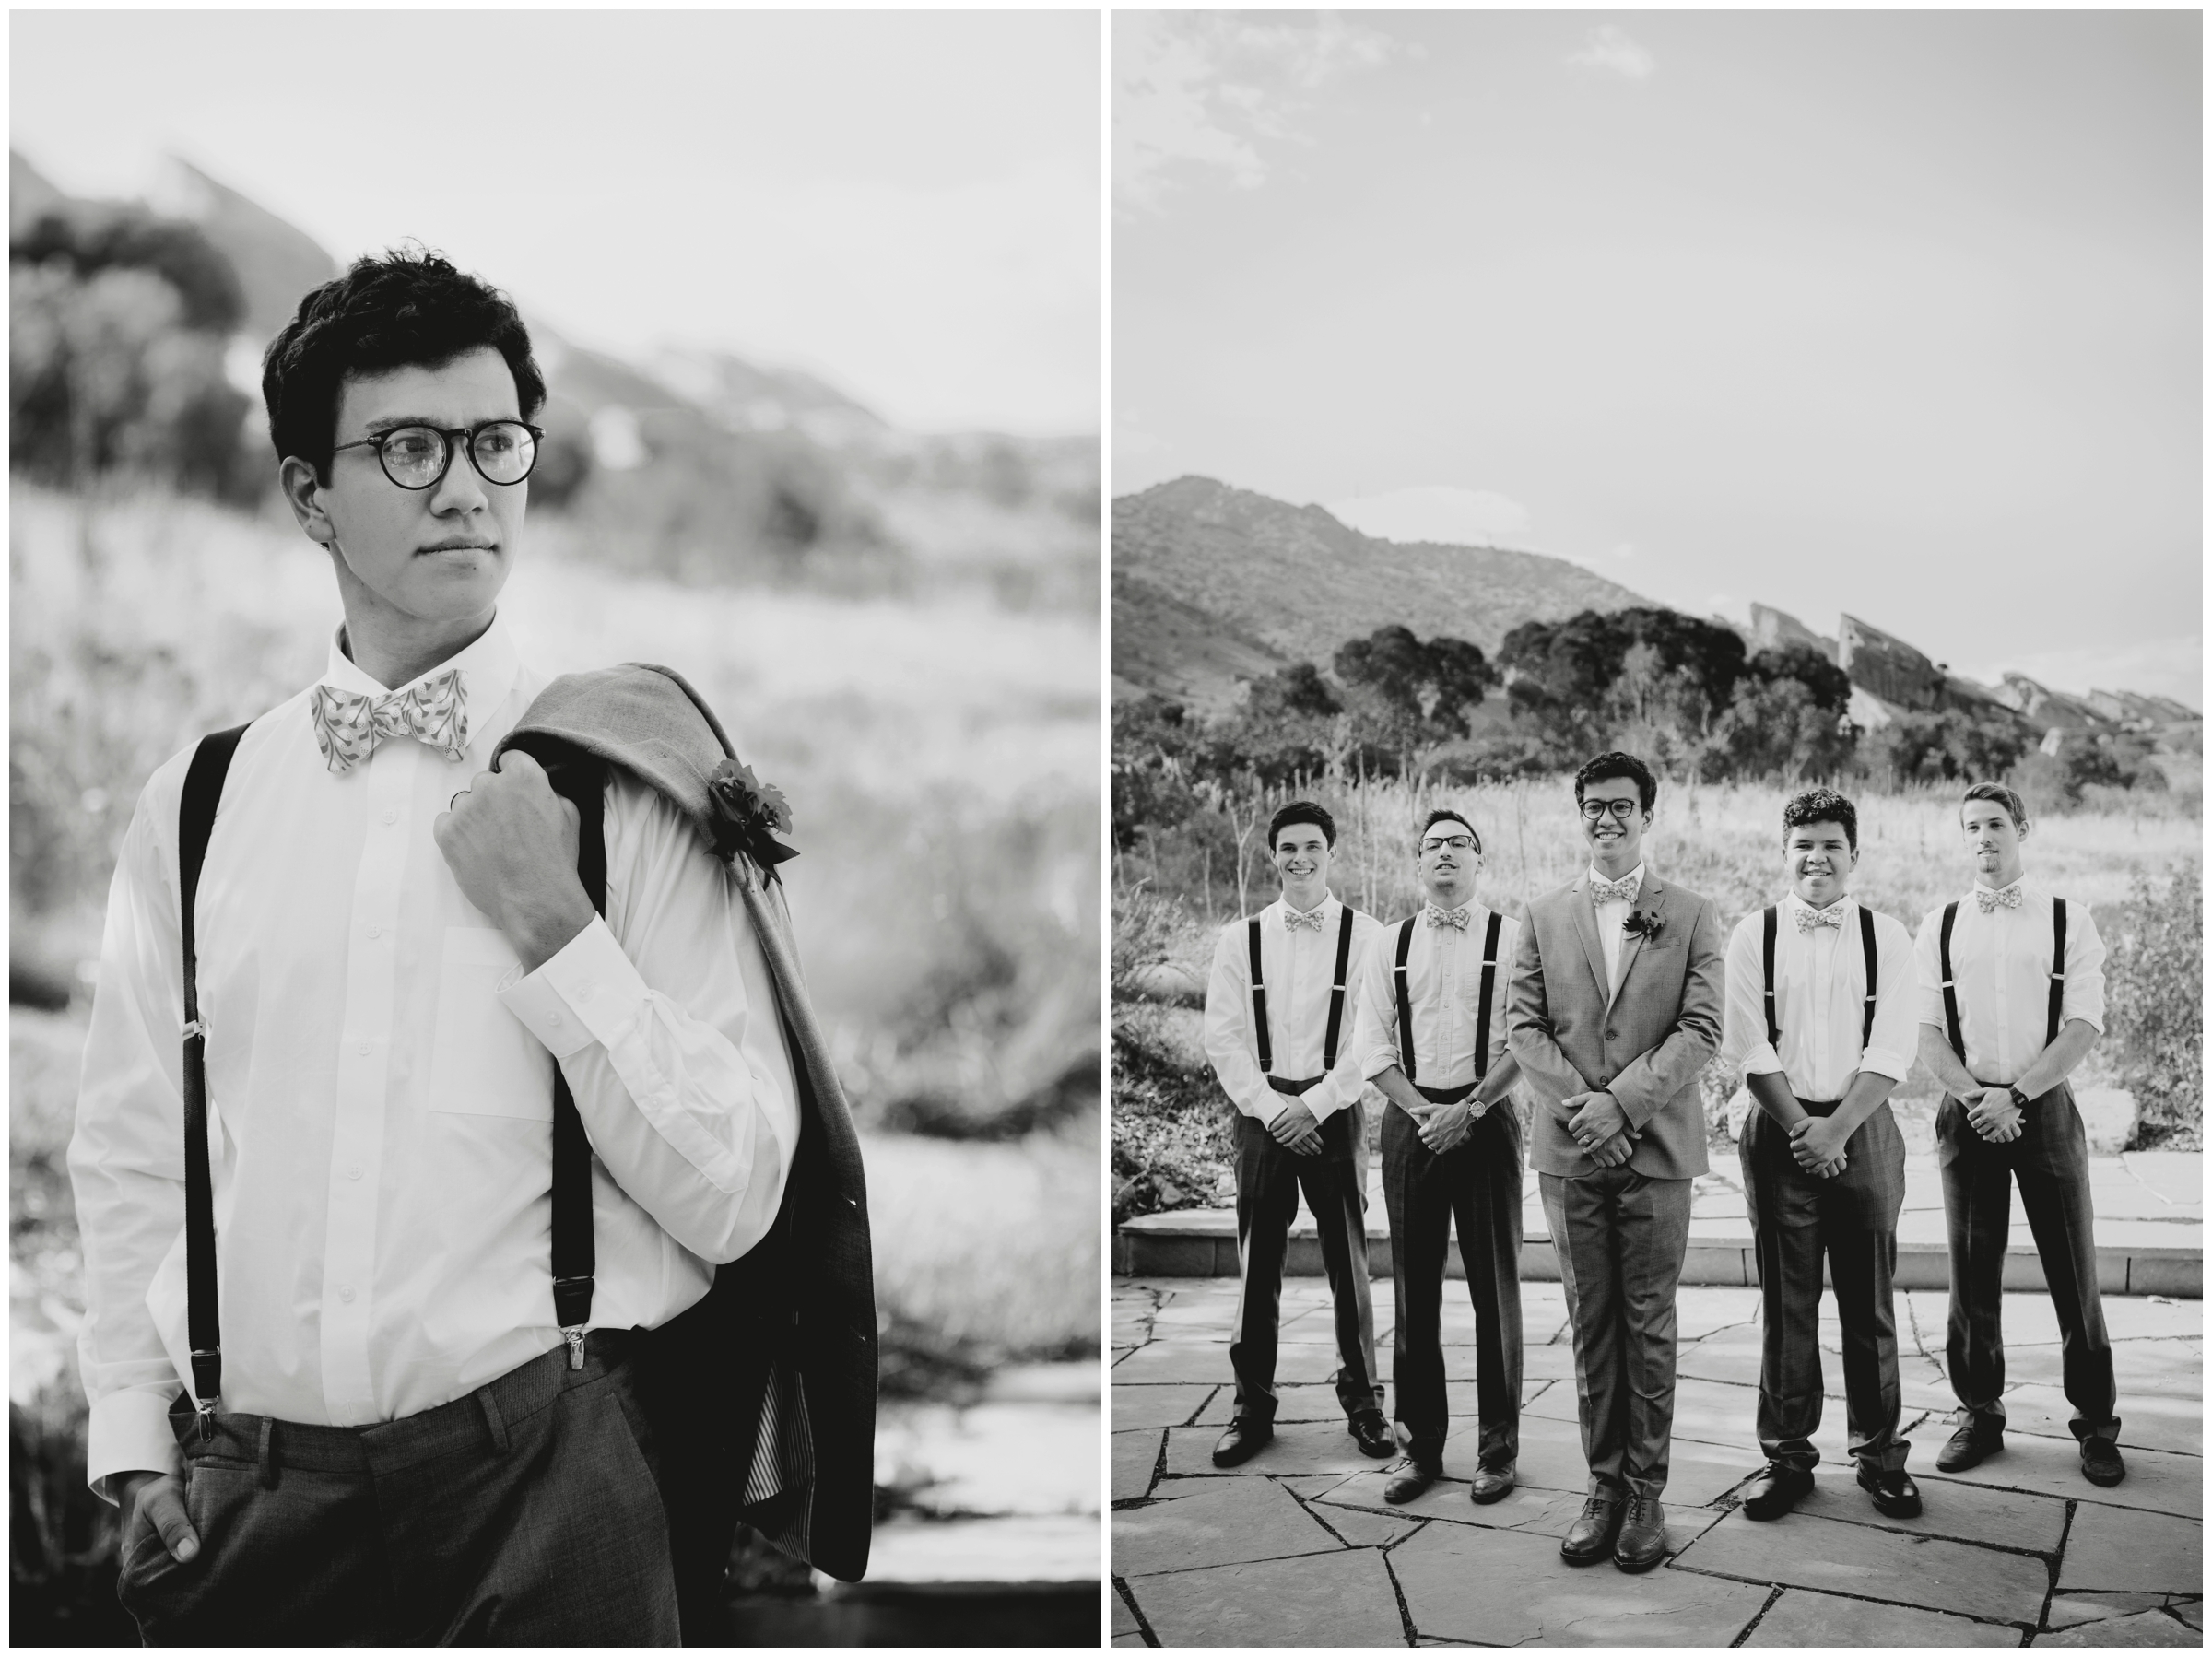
[135, 338]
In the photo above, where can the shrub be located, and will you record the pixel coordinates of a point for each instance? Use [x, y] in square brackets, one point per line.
[2154, 1005]
[1170, 1125]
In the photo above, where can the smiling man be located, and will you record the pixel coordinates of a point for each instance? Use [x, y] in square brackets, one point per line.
[1616, 1007]
[399, 1440]
[1279, 1018]
[2011, 1000]
[1433, 1041]
[1820, 1021]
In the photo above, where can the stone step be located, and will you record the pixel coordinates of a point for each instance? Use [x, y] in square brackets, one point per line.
[2149, 1233]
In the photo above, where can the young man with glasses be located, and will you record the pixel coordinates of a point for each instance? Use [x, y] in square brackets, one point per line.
[395, 952]
[1279, 1015]
[1614, 1009]
[1433, 1041]
[1820, 1021]
[2011, 1000]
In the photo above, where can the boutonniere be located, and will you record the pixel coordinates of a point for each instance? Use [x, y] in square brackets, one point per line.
[745, 812]
[1640, 925]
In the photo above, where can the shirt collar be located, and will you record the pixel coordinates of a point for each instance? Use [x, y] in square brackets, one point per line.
[1321, 909]
[487, 667]
[1795, 901]
[1635, 874]
[1982, 885]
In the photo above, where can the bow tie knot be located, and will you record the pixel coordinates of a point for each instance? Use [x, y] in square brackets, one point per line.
[2009, 898]
[349, 725]
[1614, 891]
[1456, 919]
[1809, 918]
[1295, 919]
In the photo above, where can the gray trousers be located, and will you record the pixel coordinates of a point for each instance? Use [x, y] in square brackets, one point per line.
[525, 1513]
[1620, 1238]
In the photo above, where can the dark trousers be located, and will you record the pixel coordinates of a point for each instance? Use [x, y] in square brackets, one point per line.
[1851, 1221]
[1620, 1237]
[1477, 1186]
[525, 1513]
[2051, 1161]
[1268, 1180]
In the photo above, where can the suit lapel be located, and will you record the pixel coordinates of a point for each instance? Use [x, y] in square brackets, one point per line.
[1647, 898]
[1586, 928]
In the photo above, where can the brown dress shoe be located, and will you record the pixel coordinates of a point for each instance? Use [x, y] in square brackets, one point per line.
[1967, 1447]
[1776, 1491]
[1372, 1434]
[1642, 1540]
[1491, 1484]
[1410, 1478]
[1246, 1437]
[1590, 1537]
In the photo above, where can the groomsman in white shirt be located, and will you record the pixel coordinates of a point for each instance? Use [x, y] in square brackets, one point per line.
[404, 1446]
[1279, 1012]
[2011, 1000]
[1432, 1041]
[1820, 1019]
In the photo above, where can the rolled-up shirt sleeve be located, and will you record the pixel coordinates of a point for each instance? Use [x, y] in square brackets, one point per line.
[1927, 971]
[1896, 1035]
[1379, 1008]
[1229, 1043]
[1744, 1043]
[2084, 995]
[662, 1017]
[127, 1159]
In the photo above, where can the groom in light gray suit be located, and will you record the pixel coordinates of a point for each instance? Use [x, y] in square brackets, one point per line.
[1616, 1006]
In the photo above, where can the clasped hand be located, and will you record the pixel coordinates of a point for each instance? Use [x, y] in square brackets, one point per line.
[1446, 1127]
[1601, 1127]
[511, 843]
[1995, 1114]
[1817, 1143]
[1296, 1129]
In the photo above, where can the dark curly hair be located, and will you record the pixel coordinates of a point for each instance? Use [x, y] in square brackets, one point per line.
[409, 309]
[1607, 766]
[1821, 806]
[1302, 811]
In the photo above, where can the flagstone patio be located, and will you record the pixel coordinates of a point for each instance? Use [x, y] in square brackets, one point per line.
[1298, 1547]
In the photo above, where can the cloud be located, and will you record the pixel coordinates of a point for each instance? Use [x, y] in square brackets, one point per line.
[1607, 49]
[1436, 512]
[1194, 93]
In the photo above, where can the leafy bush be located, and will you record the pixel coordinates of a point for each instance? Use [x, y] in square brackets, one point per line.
[1171, 1122]
[2154, 1003]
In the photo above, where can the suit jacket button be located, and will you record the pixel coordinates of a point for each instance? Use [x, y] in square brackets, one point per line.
[1612, 1034]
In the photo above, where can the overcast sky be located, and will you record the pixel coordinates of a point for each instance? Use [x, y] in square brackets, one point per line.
[1888, 312]
[904, 202]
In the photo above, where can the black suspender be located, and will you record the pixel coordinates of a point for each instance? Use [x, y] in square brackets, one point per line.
[1482, 1017]
[2058, 966]
[1770, 924]
[576, 1249]
[1874, 972]
[1404, 1000]
[1344, 961]
[1259, 1003]
[1950, 987]
[195, 822]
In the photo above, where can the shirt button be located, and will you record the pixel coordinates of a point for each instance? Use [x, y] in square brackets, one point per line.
[366, 1048]
[354, 1172]
[345, 1293]
[376, 932]
[391, 817]
[553, 1018]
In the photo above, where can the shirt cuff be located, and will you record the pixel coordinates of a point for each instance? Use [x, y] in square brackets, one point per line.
[588, 991]
[1883, 1061]
[1762, 1060]
[128, 1432]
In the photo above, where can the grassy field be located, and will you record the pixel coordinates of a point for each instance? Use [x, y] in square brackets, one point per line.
[1175, 889]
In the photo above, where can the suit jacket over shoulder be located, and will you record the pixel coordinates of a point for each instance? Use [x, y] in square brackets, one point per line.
[1645, 1044]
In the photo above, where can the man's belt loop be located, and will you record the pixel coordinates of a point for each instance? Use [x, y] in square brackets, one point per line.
[264, 1455]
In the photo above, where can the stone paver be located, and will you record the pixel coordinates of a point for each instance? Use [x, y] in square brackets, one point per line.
[1522, 1594]
[1976, 1567]
[1124, 1619]
[1802, 1617]
[1873, 1562]
[1227, 1522]
[1135, 1456]
[2112, 1550]
[1341, 1599]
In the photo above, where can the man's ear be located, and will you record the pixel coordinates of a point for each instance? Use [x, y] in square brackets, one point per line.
[303, 493]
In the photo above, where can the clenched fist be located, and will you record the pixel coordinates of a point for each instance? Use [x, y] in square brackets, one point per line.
[511, 843]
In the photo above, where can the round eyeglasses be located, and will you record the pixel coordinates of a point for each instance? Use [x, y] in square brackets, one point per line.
[416, 457]
[1458, 842]
[1592, 810]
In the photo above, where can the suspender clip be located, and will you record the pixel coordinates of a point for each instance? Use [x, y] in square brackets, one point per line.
[574, 1333]
[199, 1027]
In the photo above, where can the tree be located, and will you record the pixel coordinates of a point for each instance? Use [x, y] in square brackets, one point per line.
[1948, 744]
[1426, 688]
[1778, 726]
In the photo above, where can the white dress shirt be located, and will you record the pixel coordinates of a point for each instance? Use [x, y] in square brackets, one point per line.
[1820, 1001]
[1298, 971]
[1610, 914]
[379, 1081]
[1444, 989]
[2001, 971]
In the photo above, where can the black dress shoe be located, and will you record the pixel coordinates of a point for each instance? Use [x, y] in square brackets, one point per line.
[1642, 1540]
[1410, 1478]
[1491, 1484]
[2100, 1463]
[1776, 1491]
[1968, 1448]
[1894, 1492]
[1372, 1434]
[1590, 1537]
[1246, 1437]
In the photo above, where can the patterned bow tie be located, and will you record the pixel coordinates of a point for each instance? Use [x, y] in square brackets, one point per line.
[1456, 919]
[349, 725]
[2008, 898]
[1809, 918]
[1614, 891]
[1293, 918]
